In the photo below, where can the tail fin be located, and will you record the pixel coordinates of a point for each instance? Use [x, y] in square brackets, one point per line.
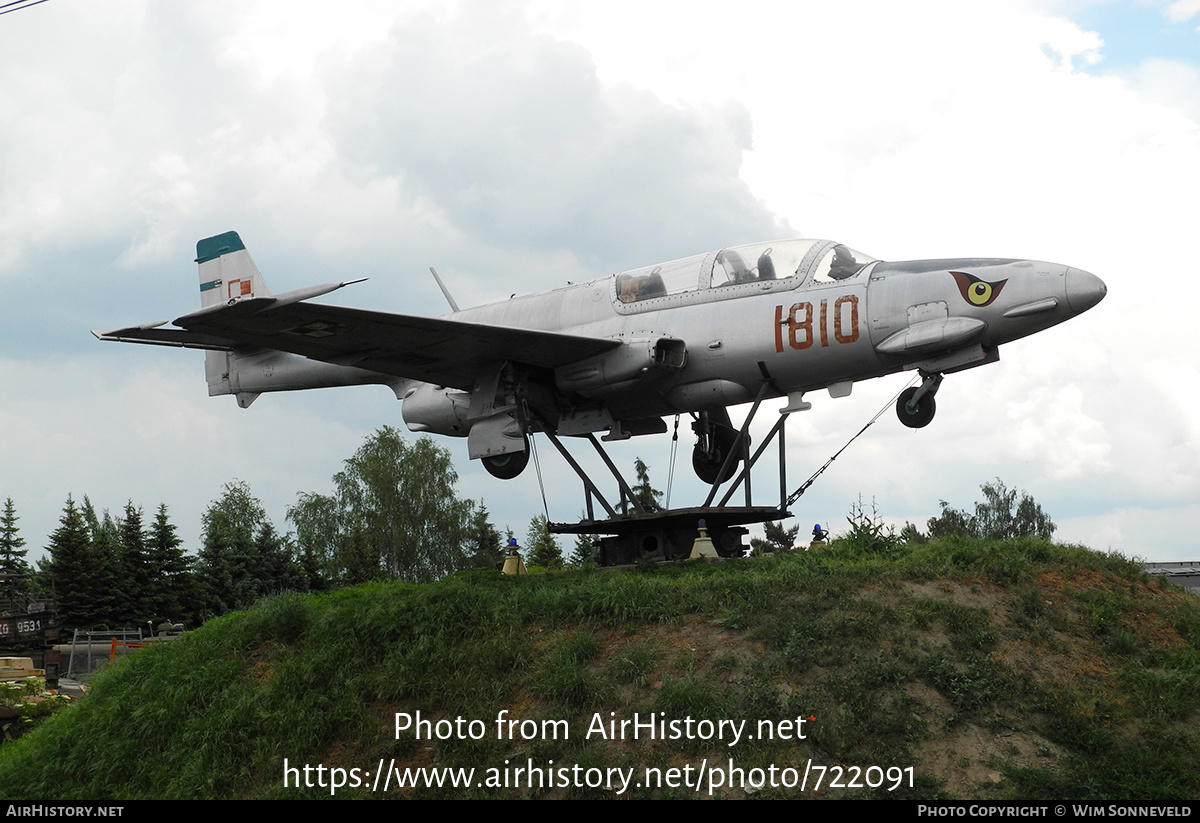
[227, 274]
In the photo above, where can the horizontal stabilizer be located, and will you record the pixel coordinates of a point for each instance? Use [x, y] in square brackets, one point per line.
[152, 334]
[250, 305]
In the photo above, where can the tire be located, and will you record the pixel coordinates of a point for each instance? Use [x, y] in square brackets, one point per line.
[509, 465]
[708, 466]
[919, 419]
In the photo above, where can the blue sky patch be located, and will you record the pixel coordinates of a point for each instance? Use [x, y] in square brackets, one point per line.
[1134, 32]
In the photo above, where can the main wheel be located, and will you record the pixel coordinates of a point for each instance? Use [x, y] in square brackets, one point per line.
[918, 419]
[708, 466]
[509, 465]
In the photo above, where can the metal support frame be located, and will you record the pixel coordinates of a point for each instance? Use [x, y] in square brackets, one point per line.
[741, 443]
[625, 490]
[620, 512]
[777, 429]
[730, 518]
[589, 487]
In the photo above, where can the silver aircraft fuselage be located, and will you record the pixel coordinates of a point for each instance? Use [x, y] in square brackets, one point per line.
[619, 353]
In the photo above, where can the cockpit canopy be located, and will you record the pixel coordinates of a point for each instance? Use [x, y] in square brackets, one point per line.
[748, 269]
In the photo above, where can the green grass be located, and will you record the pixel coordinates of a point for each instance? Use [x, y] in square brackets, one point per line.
[1080, 676]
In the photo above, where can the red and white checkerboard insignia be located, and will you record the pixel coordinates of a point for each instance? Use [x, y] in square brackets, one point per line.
[239, 289]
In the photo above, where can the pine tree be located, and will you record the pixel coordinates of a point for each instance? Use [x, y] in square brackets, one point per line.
[106, 545]
[776, 538]
[111, 600]
[135, 566]
[117, 609]
[358, 562]
[88, 511]
[278, 570]
[586, 550]
[172, 593]
[645, 494]
[81, 575]
[540, 546]
[486, 551]
[13, 567]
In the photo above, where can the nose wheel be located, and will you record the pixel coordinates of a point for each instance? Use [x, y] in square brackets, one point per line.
[916, 407]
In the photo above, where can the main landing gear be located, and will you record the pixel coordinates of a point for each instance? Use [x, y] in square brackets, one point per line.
[721, 451]
[509, 465]
[715, 439]
[916, 407]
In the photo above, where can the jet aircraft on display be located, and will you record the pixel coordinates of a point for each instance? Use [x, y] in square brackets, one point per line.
[620, 353]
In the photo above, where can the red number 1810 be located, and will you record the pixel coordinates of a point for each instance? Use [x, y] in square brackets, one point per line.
[799, 322]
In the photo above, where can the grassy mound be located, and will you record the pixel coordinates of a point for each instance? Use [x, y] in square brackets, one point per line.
[967, 669]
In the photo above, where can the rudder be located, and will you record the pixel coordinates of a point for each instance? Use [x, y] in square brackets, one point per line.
[227, 273]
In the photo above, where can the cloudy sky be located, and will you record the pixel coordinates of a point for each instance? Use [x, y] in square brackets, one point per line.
[517, 145]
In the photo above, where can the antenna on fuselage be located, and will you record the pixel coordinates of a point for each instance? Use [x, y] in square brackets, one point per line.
[445, 291]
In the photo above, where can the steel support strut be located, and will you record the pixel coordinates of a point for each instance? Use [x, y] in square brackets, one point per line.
[777, 429]
[739, 447]
[587, 481]
[625, 490]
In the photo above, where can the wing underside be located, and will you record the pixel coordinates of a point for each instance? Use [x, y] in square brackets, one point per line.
[434, 350]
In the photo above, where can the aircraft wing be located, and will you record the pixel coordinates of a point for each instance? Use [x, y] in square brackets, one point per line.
[434, 350]
[155, 335]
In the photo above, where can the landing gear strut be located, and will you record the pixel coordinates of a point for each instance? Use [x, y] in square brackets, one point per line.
[916, 407]
[715, 438]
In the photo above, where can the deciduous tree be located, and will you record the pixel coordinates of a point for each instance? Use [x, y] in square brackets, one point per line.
[1002, 514]
[394, 513]
[230, 568]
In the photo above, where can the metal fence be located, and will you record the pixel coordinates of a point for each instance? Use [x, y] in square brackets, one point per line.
[90, 650]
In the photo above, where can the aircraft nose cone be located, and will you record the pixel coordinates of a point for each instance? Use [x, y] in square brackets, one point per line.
[1084, 290]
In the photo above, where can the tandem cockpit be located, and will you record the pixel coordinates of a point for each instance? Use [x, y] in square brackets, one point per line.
[738, 271]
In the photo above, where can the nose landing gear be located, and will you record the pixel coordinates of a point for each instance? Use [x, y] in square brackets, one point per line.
[916, 407]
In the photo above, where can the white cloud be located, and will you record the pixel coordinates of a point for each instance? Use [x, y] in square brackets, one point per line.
[521, 145]
[1181, 10]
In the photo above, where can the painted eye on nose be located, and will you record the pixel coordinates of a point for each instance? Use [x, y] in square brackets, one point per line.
[975, 291]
